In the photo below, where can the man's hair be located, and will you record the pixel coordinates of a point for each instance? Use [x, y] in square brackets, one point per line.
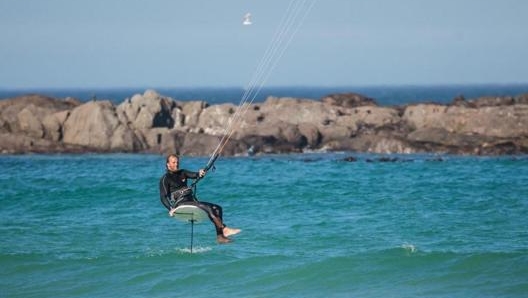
[172, 155]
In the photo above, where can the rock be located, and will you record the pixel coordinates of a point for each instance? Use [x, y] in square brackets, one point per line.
[53, 125]
[17, 143]
[172, 142]
[312, 135]
[489, 101]
[27, 124]
[296, 111]
[425, 115]
[211, 119]
[29, 121]
[459, 100]
[497, 121]
[92, 125]
[178, 118]
[146, 111]
[25, 114]
[198, 144]
[192, 111]
[150, 122]
[348, 100]
[124, 139]
[350, 159]
[522, 99]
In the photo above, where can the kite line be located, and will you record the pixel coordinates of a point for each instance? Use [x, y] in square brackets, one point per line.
[291, 22]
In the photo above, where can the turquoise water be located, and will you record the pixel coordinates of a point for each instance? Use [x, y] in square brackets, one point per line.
[313, 226]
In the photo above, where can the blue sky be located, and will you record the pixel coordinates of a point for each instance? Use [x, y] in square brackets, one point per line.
[174, 43]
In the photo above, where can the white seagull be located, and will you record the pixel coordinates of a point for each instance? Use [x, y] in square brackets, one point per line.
[247, 19]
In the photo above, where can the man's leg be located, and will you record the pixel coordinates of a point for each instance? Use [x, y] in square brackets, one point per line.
[215, 215]
[216, 210]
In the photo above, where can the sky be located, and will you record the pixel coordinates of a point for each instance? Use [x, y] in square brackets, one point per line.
[203, 43]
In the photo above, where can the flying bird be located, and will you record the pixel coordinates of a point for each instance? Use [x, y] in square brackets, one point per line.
[247, 19]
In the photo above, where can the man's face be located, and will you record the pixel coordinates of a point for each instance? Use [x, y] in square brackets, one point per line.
[173, 164]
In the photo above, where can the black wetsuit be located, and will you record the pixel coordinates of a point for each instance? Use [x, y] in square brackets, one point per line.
[173, 182]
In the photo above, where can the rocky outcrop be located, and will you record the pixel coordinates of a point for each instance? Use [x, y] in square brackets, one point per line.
[348, 100]
[479, 129]
[151, 122]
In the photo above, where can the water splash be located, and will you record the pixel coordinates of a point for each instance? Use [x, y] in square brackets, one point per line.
[195, 250]
[409, 248]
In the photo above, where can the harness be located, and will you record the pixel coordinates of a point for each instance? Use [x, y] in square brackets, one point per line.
[181, 195]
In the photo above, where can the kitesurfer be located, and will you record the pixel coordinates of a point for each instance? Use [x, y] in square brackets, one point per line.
[174, 192]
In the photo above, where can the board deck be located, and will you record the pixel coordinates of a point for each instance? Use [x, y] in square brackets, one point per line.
[189, 213]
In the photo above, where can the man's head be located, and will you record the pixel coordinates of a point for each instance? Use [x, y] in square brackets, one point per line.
[173, 162]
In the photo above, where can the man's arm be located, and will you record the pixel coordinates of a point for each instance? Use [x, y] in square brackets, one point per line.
[194, 175]
[164, 195]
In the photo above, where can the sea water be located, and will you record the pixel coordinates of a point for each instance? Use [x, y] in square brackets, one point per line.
[314, 225]
[383, 95]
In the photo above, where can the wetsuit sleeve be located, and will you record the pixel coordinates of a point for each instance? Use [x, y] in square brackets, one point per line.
[164, 192]
[190, 174]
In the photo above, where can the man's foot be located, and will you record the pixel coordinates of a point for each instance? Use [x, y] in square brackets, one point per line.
[222, 239]
[228, 231]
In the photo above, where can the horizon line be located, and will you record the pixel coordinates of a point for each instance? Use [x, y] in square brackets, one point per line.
[340, 86]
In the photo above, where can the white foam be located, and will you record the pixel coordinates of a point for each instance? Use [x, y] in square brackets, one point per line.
[409, 247]
[195, 250]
